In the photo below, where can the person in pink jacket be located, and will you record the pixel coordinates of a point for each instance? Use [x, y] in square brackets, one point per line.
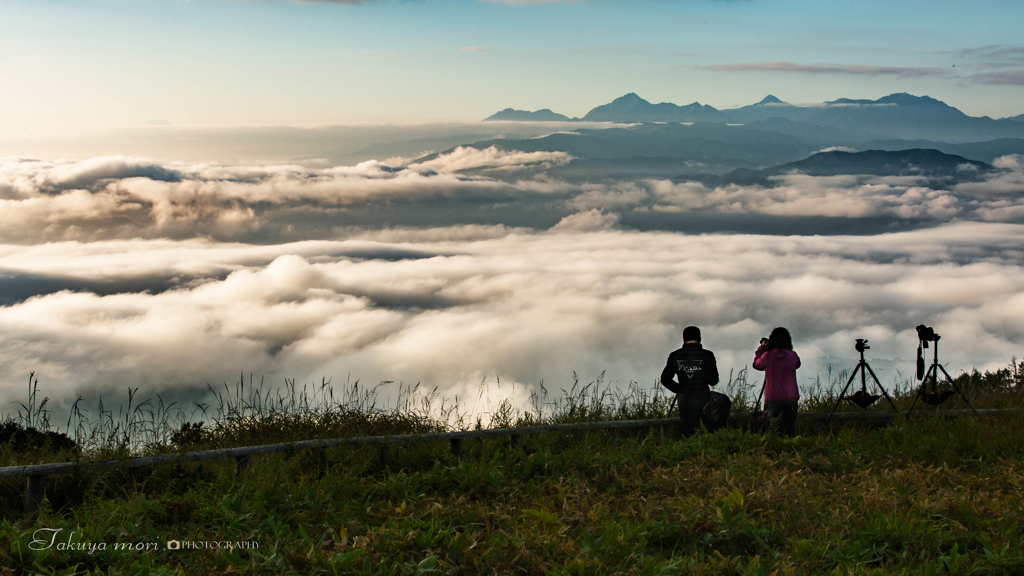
[779, 363]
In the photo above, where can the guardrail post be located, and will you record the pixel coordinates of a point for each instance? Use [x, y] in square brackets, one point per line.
[35, 491]
[321, 459]
[455, 444]
[613, 436]
[384, 456]
[242, 464]
[513, 440]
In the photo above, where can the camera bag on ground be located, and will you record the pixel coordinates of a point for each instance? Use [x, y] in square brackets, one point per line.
[716, 411]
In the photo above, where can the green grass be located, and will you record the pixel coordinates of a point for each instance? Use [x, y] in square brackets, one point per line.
[925, 496]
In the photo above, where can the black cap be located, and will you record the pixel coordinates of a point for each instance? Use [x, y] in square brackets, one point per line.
[691, 333]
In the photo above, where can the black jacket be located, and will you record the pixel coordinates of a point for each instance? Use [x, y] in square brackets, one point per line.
[694, 368]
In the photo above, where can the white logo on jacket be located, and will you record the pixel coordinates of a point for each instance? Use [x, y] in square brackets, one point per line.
[690, 367]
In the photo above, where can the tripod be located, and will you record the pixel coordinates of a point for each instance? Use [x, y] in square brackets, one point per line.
[861, 397]
[935, 397]
[758, 420]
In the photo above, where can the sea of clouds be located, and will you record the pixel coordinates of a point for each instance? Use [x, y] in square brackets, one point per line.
[118, 272]
[125, 197]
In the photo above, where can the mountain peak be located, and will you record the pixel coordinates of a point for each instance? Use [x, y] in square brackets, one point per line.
[631, 97]
[897, 99]
[511, 114]
[904, 99]
[632, 108]
[769, 99]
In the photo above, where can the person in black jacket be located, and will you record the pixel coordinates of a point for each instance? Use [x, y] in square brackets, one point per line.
[694, 370]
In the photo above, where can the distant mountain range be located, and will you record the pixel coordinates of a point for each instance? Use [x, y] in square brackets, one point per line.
[980, 151]
[544, 115]
[708, 146]
[632, 108]
[897, 116]
[706, 151]
[938, 168]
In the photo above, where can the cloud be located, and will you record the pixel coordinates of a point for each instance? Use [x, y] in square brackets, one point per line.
[1013, 162]
[777, 66]
[121, 198]
[110, 197]
[1006, 78]
[588, 221]
[995, 56]
[614, 196]
[994, 198]
[465, 157]
[451, 306]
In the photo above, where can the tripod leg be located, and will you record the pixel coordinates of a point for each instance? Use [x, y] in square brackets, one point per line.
[957, 388]
[841, 394]
[920, 390]
[934, 373]
[879, 384]
[912, 404]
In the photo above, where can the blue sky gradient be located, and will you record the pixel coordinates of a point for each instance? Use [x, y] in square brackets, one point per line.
[71, 67]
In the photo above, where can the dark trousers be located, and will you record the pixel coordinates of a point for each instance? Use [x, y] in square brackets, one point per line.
[690, 411]
[783, 416]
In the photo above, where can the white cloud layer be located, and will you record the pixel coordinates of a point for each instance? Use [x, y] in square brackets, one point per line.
[121, 271]
[465, 157]
[123, 197]
[452, 306]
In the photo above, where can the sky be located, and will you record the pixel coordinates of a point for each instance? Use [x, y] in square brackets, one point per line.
[89, 66]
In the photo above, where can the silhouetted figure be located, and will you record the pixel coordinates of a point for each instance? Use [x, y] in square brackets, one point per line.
[779, 362]
[694, 370]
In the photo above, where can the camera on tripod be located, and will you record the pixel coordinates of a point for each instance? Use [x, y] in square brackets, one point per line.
[926, 334]
[862, 397]
[929, 391]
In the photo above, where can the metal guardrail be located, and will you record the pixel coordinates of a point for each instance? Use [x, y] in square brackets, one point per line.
[66, 467]
[37, 473]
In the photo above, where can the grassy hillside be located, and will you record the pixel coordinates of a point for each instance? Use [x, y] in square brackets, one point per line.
[925, 496]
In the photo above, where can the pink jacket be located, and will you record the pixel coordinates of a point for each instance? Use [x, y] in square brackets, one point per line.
[779, 368]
